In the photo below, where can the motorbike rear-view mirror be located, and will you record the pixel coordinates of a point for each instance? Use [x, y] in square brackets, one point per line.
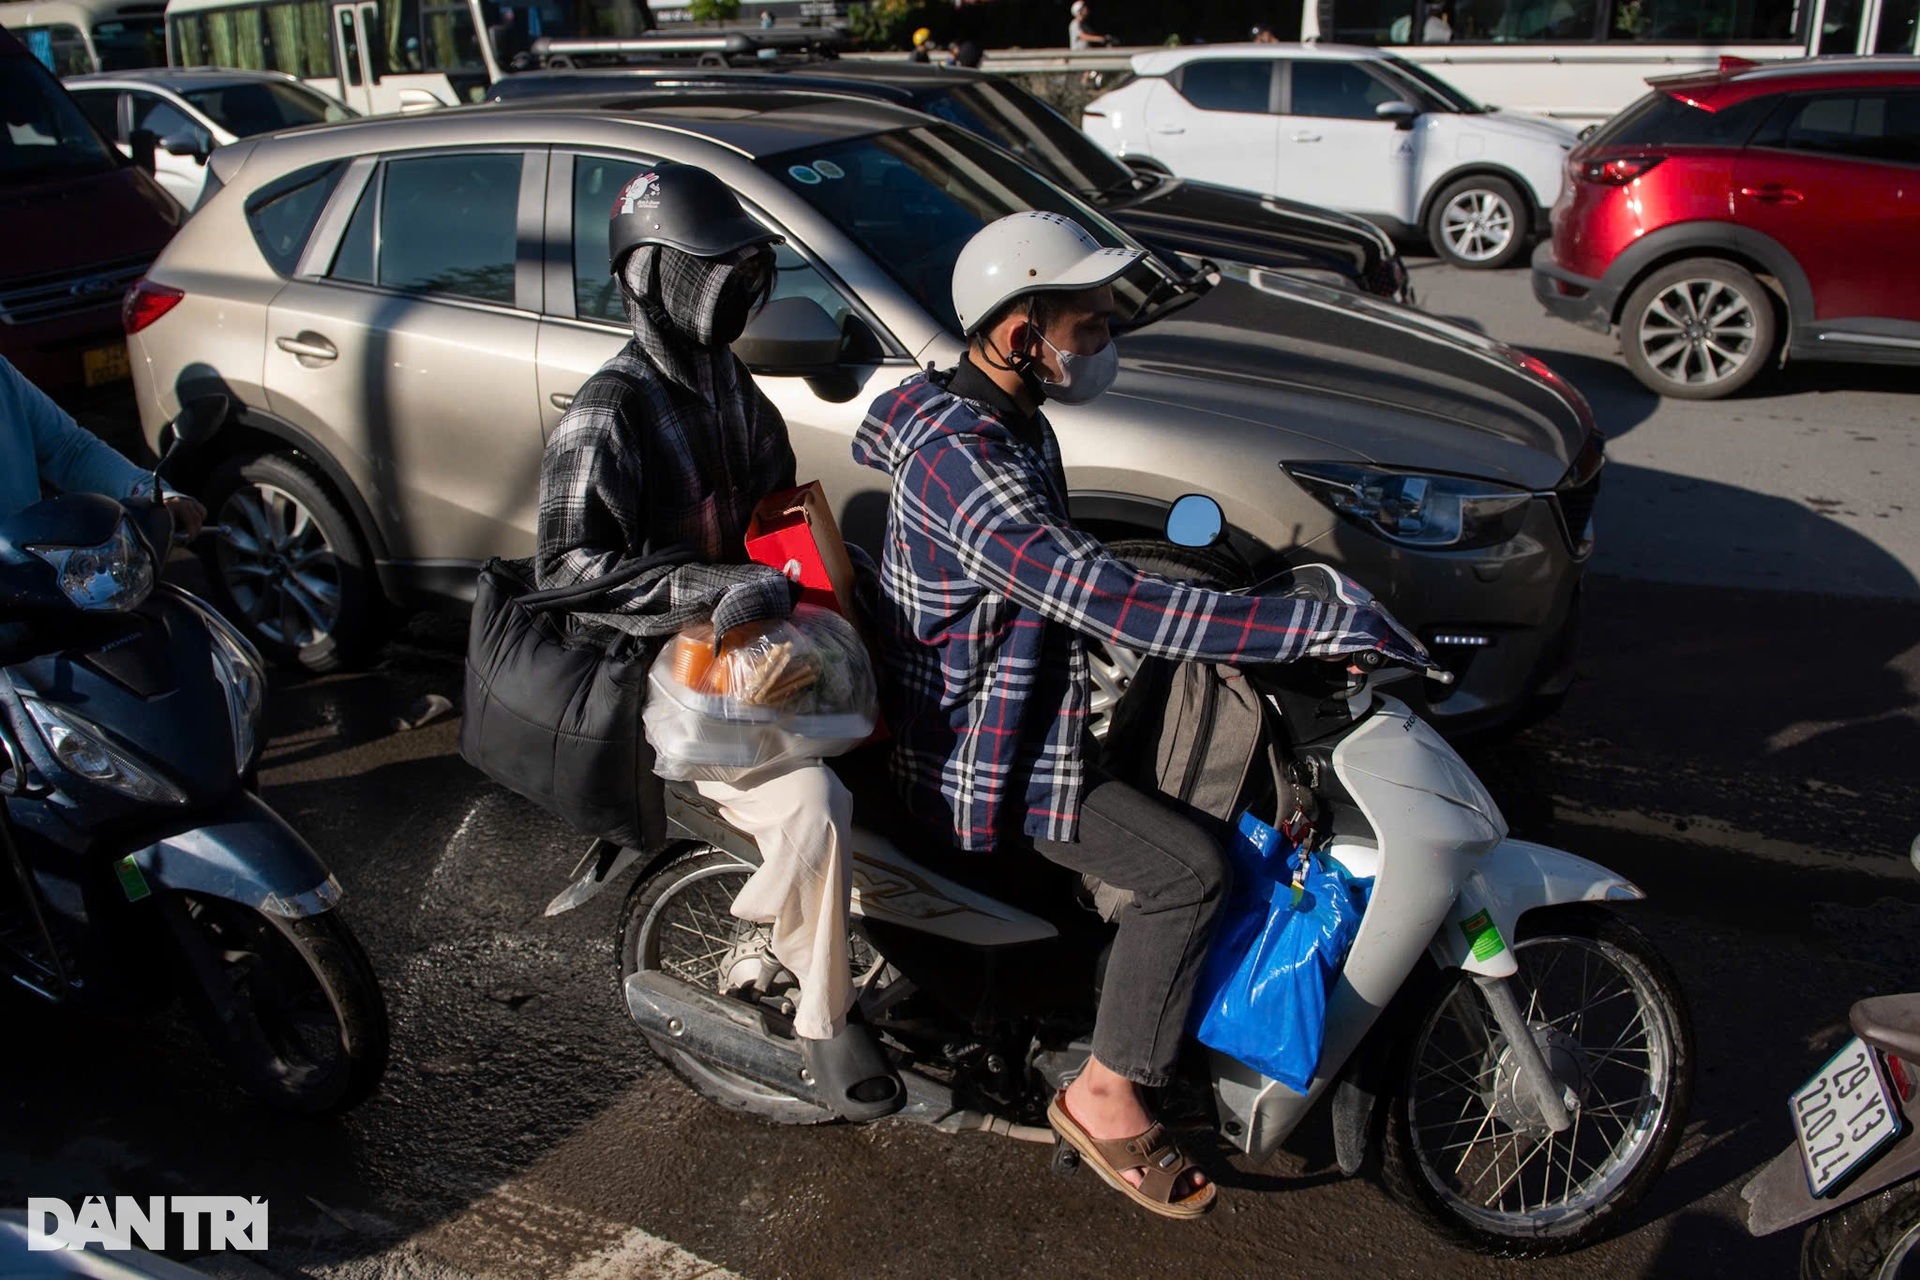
[200, 420]
[790, 338]
[1195, 521]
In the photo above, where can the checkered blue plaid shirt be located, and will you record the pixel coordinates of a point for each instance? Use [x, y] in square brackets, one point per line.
[989, 590]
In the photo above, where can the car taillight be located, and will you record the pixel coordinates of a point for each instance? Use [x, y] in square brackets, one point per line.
[147, 302]
[1615, 173]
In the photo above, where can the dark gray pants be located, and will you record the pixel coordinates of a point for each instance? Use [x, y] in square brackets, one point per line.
[1178, 878]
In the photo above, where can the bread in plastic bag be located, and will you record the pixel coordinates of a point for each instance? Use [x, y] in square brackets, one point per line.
[801, 689]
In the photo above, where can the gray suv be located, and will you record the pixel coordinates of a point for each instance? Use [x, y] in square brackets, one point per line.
[404, 308]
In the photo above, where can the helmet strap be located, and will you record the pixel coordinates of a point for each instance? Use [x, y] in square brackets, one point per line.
[1026, 364]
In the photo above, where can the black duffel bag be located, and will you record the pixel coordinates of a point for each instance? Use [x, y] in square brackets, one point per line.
[556, 717]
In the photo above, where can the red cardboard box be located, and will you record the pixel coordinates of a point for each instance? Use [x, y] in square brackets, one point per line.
[795, 532]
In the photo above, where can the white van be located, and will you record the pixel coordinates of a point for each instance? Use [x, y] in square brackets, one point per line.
[71, 37]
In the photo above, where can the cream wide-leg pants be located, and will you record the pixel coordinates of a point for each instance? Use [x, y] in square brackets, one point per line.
[800, 817]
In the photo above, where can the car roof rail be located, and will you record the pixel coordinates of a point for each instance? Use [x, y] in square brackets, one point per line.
[711, 47]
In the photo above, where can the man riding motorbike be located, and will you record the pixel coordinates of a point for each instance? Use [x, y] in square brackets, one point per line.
[40, 443]
[670, 445]
[990, 596]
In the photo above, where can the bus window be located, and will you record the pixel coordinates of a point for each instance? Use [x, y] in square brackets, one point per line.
[128, 44]
[1716, 21]
[350, 46]
[59, 46]
[294, 36]
[1896, 26]
[1366, 21]
[1511, 21]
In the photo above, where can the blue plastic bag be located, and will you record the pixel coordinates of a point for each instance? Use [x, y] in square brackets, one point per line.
[1262, 993]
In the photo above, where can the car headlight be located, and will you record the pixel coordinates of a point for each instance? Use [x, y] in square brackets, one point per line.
[112, 577]
[243, 678]
[1416, 509]
[82, 749]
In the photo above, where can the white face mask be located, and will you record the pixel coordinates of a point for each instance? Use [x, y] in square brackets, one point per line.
[1082, 377]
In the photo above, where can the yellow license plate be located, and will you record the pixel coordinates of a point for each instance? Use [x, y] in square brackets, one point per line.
[105, 364]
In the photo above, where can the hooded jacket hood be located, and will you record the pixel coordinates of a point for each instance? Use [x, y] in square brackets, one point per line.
[685, 311]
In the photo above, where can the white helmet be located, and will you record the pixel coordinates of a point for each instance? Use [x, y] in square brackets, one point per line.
[1030, 252]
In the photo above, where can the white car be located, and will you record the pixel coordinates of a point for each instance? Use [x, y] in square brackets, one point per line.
[1348, 128]
[192, 110]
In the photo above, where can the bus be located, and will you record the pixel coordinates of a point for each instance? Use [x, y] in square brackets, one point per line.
[1584, 60]
[381, 56]
[72, 37]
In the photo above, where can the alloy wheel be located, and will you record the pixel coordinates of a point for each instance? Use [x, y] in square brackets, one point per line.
[1478, 225]
[278, 566]
[1698, 332]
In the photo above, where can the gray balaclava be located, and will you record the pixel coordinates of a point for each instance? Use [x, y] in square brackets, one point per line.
[686, 311]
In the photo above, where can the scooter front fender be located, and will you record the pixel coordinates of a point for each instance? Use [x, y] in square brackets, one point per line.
[1509, 880]
[245, 852]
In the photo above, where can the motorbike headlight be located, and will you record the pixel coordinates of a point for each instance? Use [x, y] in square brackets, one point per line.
[1415, 509]
[238, 668]
[82, 749]
[112, 577]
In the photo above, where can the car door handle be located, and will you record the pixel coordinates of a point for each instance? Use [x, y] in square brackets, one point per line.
[1169, 128]
[1306, 137]
[308, 346]
[1773, 193]
[561, 401]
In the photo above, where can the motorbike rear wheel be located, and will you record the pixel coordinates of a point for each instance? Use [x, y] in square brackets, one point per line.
[677, 922]
[1464, 1144]
[1877, 1238]
[292, 1006]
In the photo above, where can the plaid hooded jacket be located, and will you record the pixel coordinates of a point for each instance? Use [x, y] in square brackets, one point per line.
[989, 590]
[670, 444]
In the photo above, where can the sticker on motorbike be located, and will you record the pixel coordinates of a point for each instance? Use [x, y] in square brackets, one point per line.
[1843, 1117]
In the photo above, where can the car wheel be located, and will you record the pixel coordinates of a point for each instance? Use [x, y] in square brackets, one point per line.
[1698, 330]
[290, 571]
[1480, 223]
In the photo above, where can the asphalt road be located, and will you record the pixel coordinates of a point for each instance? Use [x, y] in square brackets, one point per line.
[1736, 744]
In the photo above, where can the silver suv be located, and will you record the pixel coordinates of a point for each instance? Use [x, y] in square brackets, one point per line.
[404, 307]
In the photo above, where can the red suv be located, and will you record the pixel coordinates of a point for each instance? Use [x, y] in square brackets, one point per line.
[1730, 219]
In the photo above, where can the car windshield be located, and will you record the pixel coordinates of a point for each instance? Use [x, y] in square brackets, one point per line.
[46, 135]
[1441, 95]
[912, 198]
[1035, 132]
[261, 107]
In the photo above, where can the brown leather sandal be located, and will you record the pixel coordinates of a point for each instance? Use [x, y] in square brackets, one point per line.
[1160, 1162]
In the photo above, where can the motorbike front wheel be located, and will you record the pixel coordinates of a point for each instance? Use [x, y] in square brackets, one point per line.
[1465, 1146]
[292, 1006]
[1877, 1238]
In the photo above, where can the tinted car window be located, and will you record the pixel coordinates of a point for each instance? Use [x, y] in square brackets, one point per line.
[1865, 126]
[102, 107]
[1659, 120]
[353, 260]
[42, 133]
[1034, 131]
[246, 109]
[1228, 85]
[912, 199]
[1338, 90]
[448, 225]
[166, 121]
[596, 181]
[283, 212]
[129, 43]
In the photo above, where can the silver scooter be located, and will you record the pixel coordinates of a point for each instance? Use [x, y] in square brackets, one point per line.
[1520, 1059]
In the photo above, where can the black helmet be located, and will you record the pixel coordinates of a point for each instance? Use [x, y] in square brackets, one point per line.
[684, 208]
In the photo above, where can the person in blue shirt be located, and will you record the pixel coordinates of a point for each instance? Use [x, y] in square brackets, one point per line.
[41, 445]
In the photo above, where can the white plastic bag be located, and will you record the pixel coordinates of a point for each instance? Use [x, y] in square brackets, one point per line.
[801, 689]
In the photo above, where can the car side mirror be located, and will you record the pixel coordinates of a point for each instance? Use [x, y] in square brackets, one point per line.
[1195, 521]
[790, 338]
[1401, 113]
[187, 144]
[142, 143]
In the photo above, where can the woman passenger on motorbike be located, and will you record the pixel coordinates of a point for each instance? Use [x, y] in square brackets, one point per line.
[990, 596]
[671, 445]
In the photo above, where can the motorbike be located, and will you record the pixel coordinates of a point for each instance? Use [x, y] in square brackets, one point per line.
[1514, 1058]
[1854, 1166]
[129, 738]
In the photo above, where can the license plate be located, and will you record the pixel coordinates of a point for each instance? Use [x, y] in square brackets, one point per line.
[1844, 1117]
[105, 364]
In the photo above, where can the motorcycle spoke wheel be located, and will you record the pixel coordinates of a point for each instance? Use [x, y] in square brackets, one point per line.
[1611, 1025]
